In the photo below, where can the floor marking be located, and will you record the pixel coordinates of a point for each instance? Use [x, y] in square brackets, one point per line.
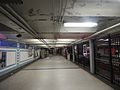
[53, 68]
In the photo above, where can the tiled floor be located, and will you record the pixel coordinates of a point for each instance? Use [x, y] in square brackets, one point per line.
[53, 73]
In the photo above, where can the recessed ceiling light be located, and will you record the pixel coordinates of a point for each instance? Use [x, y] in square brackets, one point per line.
[84, 24]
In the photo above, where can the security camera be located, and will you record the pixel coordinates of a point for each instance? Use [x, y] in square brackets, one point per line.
[18, 35]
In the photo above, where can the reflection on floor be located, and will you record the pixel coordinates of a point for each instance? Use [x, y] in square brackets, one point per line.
[54, 73]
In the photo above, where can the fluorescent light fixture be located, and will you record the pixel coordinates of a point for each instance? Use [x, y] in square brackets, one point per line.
[50, 40]
[60, 45]
[84, 24]
[65, 40]
[31, 40]
[42, 45]
[62, 42]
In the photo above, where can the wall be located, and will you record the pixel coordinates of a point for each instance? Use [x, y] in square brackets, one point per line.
[15, 57]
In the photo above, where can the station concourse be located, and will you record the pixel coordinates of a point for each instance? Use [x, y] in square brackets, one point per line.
[55, 73]
[59, 45]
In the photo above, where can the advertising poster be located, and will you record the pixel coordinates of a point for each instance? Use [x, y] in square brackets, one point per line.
[2, 60]
[85, 50]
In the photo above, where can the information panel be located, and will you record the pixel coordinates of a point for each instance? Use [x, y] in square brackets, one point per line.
[11, 58]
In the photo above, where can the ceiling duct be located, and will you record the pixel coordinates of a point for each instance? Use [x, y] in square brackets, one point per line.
[11, 1]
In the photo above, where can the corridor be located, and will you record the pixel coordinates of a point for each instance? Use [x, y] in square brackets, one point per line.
[53, 73]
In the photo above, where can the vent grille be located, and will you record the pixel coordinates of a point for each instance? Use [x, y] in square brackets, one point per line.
[11, 2]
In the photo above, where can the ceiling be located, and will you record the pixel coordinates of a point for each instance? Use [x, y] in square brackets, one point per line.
[43, 19]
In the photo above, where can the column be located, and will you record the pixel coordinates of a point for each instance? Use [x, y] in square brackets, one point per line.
[73, 53]
[92, 64]
[18, 53]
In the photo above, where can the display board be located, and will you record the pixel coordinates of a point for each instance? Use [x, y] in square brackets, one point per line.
[7, 58]
[25, 55]
[10, 58]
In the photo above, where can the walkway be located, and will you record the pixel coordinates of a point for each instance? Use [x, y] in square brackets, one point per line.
[53, 73]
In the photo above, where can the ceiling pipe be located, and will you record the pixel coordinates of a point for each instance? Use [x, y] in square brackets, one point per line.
[25, 23]
[104, 30]
[53, 7]
[22, 21]
[64, 11]
[60, 15]
[10, 17]
[63, 8]
[60, 9]
[97, 33]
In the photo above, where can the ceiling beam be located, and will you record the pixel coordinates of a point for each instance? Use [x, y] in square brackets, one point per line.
[12, 15]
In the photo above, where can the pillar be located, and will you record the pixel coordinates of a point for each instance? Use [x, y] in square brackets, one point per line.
[18, 53]
[73, 53]
[92, 63]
